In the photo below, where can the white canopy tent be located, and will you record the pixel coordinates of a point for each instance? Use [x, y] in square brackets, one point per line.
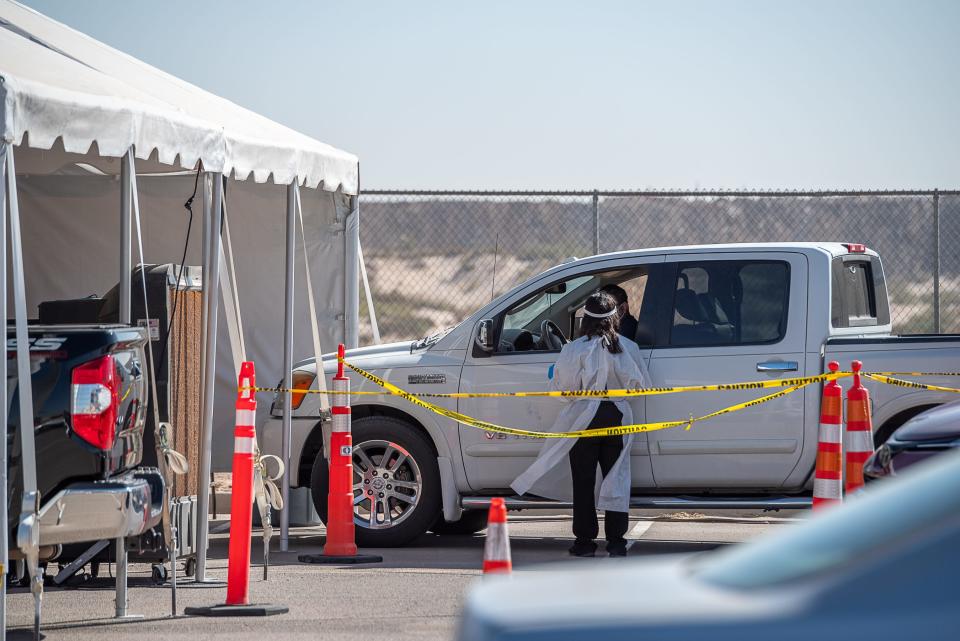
[103, 141]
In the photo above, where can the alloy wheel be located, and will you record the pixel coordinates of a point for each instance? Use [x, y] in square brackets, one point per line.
[386, 484]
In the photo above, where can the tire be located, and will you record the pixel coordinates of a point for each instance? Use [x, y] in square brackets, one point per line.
[410, 456]
[158, 574]
[471, 522]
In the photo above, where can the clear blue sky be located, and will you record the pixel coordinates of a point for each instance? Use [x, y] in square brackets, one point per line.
[579, 95]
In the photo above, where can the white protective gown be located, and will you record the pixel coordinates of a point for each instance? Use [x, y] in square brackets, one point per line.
[587, 364]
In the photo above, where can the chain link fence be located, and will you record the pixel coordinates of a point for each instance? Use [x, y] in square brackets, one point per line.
[435, 257]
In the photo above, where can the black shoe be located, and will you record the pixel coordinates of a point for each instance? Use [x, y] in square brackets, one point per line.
[583, 549]
[617, 549]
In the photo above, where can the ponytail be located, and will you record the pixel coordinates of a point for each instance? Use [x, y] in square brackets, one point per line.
[601, 320]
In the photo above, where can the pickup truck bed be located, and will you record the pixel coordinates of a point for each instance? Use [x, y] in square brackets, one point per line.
[892, 405]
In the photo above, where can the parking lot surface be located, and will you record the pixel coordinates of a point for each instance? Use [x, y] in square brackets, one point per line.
[416, 593]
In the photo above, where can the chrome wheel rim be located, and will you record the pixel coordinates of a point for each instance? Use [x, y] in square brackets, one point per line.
[386, 484]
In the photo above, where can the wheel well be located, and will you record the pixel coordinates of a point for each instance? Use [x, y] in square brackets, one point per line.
[887, 429]
[314, 443]
[311, 449]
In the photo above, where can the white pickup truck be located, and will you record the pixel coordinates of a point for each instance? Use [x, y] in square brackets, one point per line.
[705, 314]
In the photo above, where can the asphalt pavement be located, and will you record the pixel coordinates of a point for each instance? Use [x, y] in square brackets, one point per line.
[415, 593]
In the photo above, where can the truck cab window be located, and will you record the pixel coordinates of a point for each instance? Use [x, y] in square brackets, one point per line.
[562, 304]
[730, 303]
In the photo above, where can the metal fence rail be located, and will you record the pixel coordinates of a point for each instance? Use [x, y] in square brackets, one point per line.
[435, 256]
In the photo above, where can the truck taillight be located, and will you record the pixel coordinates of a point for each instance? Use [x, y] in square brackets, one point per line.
[856, 248]
[94, 402]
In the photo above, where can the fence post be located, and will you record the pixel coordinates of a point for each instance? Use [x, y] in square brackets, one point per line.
[936, 261]
[596, 222]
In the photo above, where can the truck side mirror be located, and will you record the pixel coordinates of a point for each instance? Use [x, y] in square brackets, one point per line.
[484, 339]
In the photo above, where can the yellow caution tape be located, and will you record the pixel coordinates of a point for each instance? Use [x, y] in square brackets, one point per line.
[621, 430]
[790, 384]
[802, 381]
[890, 380]
[911, 373]
[614, 393]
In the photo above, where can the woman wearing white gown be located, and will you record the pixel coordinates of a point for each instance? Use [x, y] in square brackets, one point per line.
[600, 359]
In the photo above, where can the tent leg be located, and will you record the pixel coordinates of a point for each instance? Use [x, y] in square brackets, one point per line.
[287, 427]
[28, 532]
[122, 600]
[211, 279]
[4, 543]
[205, 196]
[121, 580]
[126, 213]
[351, 276]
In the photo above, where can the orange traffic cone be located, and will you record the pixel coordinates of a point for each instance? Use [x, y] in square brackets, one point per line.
[496, 549]
[241, 510]
[858, 440]
[341, 546]
[829, 473]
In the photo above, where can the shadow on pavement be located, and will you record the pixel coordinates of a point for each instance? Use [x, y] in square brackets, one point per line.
[453, 552]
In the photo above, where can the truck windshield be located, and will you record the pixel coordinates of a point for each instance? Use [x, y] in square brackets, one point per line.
[523, 315]
[891, 513]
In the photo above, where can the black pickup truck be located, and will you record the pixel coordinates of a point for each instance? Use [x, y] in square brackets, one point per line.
[90, 403]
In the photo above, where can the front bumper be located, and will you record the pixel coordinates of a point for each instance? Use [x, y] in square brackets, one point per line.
[120, 507]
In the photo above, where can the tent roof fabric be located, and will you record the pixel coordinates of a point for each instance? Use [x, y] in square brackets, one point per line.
[56, 82]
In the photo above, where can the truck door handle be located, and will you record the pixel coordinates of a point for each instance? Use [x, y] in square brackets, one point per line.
[778, 366]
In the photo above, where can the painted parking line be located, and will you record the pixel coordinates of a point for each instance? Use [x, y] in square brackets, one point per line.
[639, 529]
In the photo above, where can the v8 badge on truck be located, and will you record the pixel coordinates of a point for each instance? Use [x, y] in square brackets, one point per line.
[426, 379]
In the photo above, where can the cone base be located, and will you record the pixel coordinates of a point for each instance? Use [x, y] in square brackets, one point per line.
[354, 559]
[339, 549]
[494, 567]
[250, 610]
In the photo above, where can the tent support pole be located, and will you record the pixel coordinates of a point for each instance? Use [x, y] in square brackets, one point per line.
[205, 196]
[287, 428]
[351, 275]
[4, 522]
[126, 213]
[28, 529]
[211, 279]
[24, 382]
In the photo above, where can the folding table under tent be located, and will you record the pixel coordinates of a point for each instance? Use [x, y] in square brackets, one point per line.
[97, 147]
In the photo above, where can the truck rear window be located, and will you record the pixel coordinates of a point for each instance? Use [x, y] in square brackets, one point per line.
[858, 296]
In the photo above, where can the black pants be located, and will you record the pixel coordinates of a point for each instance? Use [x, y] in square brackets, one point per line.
[585, 455]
